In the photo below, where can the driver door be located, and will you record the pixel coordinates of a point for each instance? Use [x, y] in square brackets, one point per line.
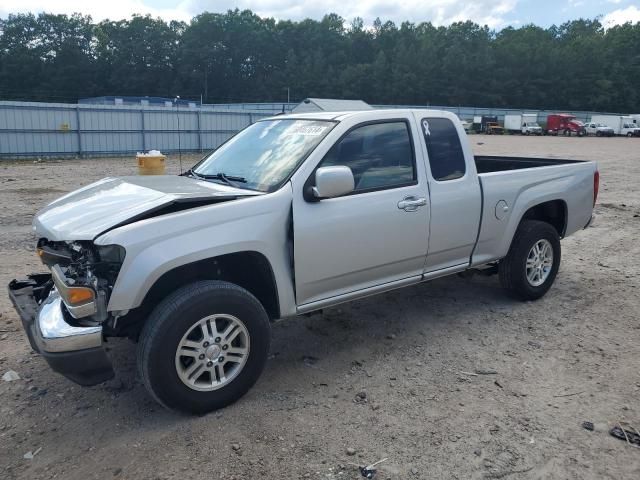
[369, 237]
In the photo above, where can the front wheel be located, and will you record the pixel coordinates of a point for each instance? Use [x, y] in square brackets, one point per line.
[629, 134]
[531, 266]
[203, 346]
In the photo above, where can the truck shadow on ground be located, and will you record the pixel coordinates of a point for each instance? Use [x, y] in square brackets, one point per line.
[308, 350]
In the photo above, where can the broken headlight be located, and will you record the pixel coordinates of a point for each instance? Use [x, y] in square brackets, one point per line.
[84, 274]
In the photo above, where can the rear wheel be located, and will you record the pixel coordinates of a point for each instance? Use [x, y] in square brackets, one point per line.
[531, 266]
[203, 346]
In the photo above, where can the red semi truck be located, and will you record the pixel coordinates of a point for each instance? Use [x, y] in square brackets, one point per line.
[563, 123]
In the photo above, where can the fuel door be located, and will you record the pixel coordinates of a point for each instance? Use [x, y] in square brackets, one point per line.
[501, 209]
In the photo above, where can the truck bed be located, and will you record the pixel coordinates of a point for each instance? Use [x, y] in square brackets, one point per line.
[490, 164]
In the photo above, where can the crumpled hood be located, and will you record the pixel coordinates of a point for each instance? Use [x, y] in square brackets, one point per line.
[86, 213]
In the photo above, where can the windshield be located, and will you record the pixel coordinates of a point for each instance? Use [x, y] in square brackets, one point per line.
[533, 124]
[262, 156]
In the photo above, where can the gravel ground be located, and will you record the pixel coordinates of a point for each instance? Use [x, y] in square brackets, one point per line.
[391, 376]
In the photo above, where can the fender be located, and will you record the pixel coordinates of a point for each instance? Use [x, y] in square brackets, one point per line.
[157, 245]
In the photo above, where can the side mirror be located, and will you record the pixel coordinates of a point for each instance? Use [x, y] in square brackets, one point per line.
[333, 182]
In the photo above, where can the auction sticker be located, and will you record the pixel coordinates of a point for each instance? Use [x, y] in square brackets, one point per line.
[308, 130]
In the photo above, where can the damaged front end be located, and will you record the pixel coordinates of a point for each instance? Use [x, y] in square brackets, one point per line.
[63, 311]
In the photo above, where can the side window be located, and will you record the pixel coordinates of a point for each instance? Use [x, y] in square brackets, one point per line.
[444, 149]
[380, 155]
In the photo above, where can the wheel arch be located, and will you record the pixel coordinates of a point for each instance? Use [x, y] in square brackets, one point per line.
[553, 212]
[250, 270]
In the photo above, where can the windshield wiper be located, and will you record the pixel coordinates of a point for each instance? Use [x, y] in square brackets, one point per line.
[191, 173]
[228, 179]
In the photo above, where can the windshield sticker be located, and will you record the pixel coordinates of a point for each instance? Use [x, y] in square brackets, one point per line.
[308, 130]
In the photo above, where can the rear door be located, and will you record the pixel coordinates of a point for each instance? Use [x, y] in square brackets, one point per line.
[455, 196]
[374, 236]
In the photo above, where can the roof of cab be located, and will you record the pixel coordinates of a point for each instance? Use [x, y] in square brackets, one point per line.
[338, 116]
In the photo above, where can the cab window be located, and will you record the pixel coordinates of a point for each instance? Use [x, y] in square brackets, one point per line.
[446, 157]
[380, 155]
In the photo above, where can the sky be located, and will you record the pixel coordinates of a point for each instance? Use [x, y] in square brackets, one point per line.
[494, 13]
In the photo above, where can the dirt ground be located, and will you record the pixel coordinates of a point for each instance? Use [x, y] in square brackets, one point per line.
[570, 357]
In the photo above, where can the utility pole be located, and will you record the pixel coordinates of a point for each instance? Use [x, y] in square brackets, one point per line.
[206, 82]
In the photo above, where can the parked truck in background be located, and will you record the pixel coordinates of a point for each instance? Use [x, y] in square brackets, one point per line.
[293, 214]
[486, 120]
[527, 124]
[598, 129]
[623, 125]
[493, 128]
[564, 124]
[466, 124]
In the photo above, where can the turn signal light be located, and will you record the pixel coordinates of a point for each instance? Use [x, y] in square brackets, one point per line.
[79, 295]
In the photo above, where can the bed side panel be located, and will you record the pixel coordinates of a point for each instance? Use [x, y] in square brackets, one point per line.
[522, 189]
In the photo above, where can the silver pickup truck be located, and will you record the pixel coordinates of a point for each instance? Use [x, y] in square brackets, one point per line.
[291, 215]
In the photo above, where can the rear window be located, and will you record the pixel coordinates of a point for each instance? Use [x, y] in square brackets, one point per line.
[446, 157]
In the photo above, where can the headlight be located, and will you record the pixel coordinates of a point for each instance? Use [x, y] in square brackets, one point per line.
[79, 300]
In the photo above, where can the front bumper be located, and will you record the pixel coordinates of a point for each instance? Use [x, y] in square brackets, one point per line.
[71, 350]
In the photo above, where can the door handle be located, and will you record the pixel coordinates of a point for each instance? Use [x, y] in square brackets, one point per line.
[411, 203]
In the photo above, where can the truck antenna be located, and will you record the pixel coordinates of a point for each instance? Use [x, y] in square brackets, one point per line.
[177, 102]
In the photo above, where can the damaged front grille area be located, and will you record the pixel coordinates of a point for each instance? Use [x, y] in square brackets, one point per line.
[79, 265]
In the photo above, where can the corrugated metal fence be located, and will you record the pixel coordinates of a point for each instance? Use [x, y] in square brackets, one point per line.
[29, 129]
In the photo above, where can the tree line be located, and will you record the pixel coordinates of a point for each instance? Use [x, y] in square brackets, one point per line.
[239, 56]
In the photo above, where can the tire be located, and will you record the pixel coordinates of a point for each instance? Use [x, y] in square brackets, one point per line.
[598, 134]
[629, 134]
[180, 315]
[513, 268]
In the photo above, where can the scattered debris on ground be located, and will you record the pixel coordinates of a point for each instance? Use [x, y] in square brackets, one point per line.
[588, 426]
[631, 436]
[10, 376]
[29, 455]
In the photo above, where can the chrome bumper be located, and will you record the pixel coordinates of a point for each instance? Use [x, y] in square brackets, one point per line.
[73, 351]
[53, 333]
